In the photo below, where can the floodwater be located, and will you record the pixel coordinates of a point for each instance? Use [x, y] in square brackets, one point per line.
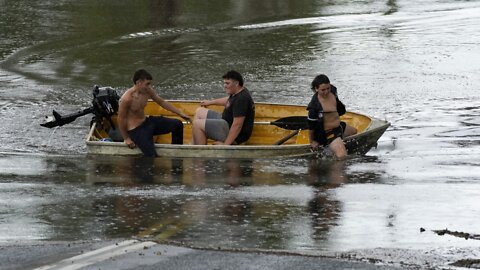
[414, 63]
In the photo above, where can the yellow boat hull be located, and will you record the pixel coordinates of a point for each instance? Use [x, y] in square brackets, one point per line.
[262, 143]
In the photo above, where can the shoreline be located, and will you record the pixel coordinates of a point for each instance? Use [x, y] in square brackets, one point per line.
[135, 253]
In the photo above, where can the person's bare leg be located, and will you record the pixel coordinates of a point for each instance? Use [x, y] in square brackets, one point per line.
[338, 148]
[200, 113]
[349, 131]
[198, 132]
[198, 126]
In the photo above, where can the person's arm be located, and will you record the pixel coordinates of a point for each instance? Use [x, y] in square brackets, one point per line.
[340, 107]
[122, 120]
[313, 144]
[234, 130]
[218, 101]
[313, 122]
[167, 105]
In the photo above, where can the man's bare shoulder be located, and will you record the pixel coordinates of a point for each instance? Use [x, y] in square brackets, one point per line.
[127, 95]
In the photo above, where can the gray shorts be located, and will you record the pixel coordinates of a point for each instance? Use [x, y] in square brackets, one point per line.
[215, 127]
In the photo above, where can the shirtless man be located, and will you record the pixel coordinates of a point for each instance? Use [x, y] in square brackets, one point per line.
[138, 130]
[235, 124]
[324, 111]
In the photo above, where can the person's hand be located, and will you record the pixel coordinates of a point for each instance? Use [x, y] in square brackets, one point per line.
[186, 117]
[205, 103]
[129, 143]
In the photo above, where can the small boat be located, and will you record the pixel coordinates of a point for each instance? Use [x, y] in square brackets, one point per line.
[280, 130]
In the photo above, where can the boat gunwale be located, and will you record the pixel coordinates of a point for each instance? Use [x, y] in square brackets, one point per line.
[282, 150]
[208, 146]
[369, 129]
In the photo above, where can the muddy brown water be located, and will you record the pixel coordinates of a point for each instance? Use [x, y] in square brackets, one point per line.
[415, 64]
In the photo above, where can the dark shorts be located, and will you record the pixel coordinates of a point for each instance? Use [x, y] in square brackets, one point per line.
[142, 135]
[216, 128]
[337, 132]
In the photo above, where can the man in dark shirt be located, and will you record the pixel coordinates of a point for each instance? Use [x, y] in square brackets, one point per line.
[235, 124]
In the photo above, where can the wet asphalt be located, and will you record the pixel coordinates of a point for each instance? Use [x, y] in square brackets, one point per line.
[133, 254]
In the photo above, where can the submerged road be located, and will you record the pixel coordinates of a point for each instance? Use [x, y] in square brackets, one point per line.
[134, 254]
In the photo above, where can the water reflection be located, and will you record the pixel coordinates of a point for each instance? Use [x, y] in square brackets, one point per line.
[234, 203]
[133, 171]
[393, 7]
[324, 175]
[228, 203]
[327, 173]
[186, 172]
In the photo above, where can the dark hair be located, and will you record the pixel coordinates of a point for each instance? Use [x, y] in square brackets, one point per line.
[141, 74]
[320, 79]
[234, 75]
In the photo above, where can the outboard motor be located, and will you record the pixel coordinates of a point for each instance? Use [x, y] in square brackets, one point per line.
[104, 106]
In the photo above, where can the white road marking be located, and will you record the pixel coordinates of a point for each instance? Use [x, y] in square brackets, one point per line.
[98, 255]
